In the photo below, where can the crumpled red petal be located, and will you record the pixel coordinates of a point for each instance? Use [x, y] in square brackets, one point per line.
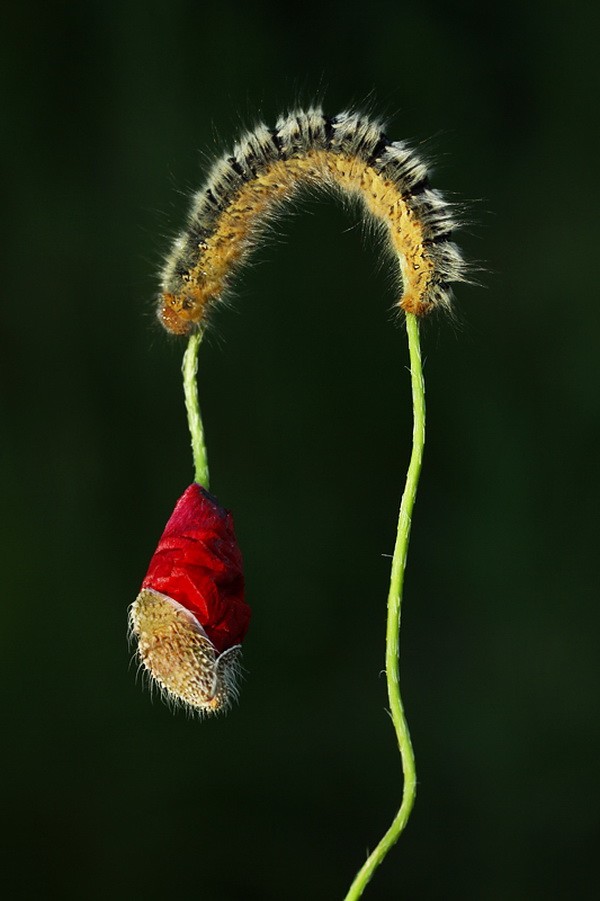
[198, 564]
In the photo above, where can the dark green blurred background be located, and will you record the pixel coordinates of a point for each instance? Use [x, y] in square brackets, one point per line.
[106, 107]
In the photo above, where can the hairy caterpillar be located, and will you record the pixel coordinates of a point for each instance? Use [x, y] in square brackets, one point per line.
[349, 154]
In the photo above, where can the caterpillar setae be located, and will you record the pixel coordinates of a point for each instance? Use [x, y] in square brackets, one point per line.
[348, 154]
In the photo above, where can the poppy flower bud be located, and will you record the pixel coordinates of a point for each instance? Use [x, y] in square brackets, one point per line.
[190, 616]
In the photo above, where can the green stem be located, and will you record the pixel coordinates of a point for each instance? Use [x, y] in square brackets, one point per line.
[190, 390]
[393, 620]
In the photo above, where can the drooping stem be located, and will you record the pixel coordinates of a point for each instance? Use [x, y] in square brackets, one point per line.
[393, 619]
[190, 390]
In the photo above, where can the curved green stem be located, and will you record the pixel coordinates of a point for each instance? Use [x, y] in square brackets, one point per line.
[190, 389]
[393, 619]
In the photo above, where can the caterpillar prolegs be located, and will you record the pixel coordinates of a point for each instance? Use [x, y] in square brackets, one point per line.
[348, 154]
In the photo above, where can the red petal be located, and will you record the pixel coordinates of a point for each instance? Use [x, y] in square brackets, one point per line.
[198, 563]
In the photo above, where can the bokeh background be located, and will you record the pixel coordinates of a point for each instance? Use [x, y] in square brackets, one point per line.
[109, 111]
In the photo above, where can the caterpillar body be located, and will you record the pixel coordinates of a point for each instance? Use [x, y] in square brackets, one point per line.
[348, 154]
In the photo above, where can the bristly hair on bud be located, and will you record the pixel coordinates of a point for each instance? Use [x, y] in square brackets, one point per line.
[190, 616]
[179, 657]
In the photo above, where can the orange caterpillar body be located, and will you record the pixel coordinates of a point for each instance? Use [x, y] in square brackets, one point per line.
[348, 153]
